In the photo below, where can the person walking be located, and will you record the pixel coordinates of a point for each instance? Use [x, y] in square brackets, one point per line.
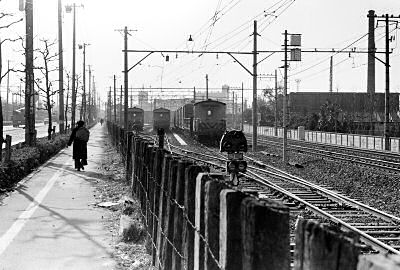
[101, 121]
[80, 137]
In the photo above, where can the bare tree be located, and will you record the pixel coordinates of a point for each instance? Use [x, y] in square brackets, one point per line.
[4, 16]
[44, 83]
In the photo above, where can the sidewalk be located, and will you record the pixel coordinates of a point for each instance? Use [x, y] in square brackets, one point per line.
[50, 222]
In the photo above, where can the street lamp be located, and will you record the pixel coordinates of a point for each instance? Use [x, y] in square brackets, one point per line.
[69, 9]
[83, 108]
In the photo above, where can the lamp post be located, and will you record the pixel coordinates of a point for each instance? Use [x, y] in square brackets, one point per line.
[69, 9]
[83, 107]
[60, 71]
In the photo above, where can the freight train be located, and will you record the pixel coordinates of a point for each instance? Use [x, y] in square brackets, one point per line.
[204, 120]
[161, 119]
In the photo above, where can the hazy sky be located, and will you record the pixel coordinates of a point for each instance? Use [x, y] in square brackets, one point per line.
[166, 25]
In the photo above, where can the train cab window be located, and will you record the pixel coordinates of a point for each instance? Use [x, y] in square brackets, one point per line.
[209, 113]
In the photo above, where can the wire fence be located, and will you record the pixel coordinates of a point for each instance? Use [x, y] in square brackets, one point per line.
[195, 219]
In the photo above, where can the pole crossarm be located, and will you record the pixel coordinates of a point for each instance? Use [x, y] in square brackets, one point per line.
[241, 64]
[182, 51]
[140, 61]
[324, 51]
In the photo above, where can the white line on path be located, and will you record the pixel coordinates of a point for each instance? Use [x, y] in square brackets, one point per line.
[13, 231]
[182, 142]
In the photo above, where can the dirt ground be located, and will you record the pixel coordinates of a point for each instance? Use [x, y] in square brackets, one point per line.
[112, 187]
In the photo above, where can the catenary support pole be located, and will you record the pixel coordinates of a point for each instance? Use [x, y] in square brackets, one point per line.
[387, 86]
[242, 108]
[120, 109]
[126, 78]
[285, 158]
[276, 104]
[115, 99]
[206, 86]
[255, 118]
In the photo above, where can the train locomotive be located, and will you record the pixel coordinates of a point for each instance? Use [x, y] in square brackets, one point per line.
[204, 120]
[135, 119]
[161, 119]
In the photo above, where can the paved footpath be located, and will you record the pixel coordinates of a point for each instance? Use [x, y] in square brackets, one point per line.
[50, 222]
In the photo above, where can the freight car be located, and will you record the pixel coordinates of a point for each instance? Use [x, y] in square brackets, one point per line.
[183, 118]
[135, 119]
[204, 120]
[161, 119]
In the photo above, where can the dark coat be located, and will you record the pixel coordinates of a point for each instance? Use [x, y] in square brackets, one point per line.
[79, 150]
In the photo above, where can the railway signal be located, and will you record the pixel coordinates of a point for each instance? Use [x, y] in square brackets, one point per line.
[235, 144]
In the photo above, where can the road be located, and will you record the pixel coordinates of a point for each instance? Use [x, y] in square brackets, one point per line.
[50, 221]
[18, 134]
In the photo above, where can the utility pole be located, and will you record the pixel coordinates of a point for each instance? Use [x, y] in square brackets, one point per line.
[331, 75]
[242, 108]
[109, 116]
[90, 103]
[29, 82]
[206, 86]
[8, 89]
[73, 102]
[276, 104]
[285, 101]
[236, 107]
[233, 109]
[126, 78]
[194, 94]
[120, 108]
[60, 71]
[255, 118]
[115, 101]
[84, 84]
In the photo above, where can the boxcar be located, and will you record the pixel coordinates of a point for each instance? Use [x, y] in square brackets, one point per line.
[161, 119]
[209, 120]
[183, 118]
[135, 119]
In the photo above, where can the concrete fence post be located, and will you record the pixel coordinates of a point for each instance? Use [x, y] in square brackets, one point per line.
[265, 235]
[128, 157]
[211, 221]
[188, 231]
[177, 259]
[150, 197]
[158, 169]
[162, 206]
[318, 247]
[230, 245]
[136, 164]
[201, 180]
[167, 248]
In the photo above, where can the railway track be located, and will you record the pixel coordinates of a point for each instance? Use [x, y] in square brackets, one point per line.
[377, 159]
[378, 231]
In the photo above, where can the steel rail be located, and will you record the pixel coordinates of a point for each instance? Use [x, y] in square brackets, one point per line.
[338, 198]
[365, 237]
